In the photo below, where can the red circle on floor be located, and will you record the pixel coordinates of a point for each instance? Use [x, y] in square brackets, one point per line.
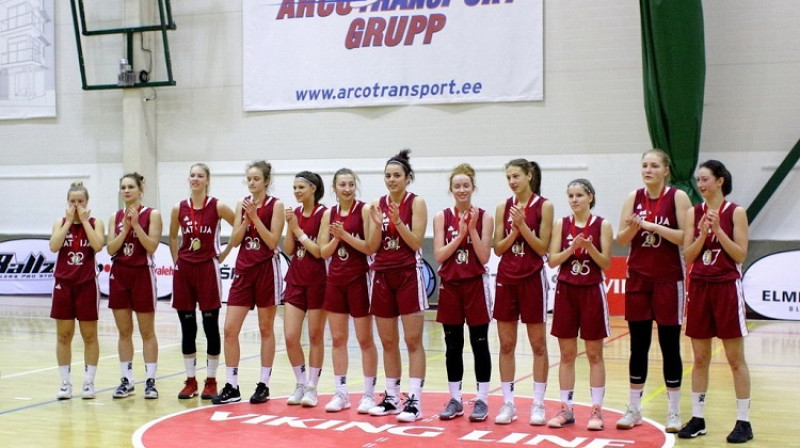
[245, 425]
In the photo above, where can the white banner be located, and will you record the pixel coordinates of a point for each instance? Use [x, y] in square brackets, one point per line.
[26, 267]
[27, 59]
[772, 287]
[301, 54]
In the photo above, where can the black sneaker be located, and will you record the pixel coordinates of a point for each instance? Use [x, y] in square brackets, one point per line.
[261, 395]
[741, 433]
[695, 427]
[229, 394]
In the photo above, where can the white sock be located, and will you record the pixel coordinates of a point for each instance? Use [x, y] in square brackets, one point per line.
[508, 391]
[266, 374]
[566, 397]
[743, 409]
[455, 390]
[190, 364]
[126, 370]
[538, 392]
[369, 385]
[232, 375]
[415, 389]
[340, 381]
[597, 395]
[300, 374]
[674, 399]
[212, 364]
[64, 372]
[698, 404]
[150, 370]
[89, 373]
[393, 387]
[635, 398]
[483, 391]
[313, 377]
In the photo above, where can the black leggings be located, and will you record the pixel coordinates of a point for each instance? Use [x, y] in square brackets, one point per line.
[478, 339]
[188, 320]
[669, 337]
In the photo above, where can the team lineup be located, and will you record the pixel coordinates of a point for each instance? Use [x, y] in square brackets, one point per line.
[363, 260]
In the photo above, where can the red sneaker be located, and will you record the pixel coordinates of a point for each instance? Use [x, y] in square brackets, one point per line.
[209, 389]
[189, 389]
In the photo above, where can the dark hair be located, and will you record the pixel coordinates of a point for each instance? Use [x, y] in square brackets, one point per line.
[78, 186]
[136, 177]
[315, 180]
[404, 161]
[532, 168]
[265, 168]
[665, 159]
[718, 170]
[205, 168]
[587, 187]
[345, 172]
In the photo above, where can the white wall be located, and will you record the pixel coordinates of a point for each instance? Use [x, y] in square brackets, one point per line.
[591, 123]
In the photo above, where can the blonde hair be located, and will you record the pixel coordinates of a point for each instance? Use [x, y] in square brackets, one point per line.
[205, 168]
[665, 159]
[78, 186]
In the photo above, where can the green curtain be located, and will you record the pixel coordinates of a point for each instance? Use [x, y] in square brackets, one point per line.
[673, 60]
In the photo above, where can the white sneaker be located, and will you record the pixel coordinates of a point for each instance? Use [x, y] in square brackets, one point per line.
[538, 415]
[88, 390]
[65, 391]
[633, 418]
[389, 406]
[367, 402]
[297, 395]
[340, 401]
[309, 397]
[673, 421]
[411, 410]
[507, 414]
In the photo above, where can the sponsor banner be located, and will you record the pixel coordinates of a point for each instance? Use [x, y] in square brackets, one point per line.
[614, 283]
[164, 268]
[26, 267]
[302, 54]
[772, 287]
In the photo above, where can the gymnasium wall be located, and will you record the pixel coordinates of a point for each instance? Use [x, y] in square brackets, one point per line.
[591, 123]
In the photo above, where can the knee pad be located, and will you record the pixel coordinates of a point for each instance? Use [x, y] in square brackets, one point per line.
[211, 328]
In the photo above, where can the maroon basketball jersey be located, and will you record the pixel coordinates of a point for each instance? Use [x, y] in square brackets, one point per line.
[200, 230]
[463, 263]
[347, 263]
[252, 250]
[393, 252]
[521, 261]
[306, 269]
[651, 255]
[132, 253]
[580, 268]
[76, 262]
[714, 264]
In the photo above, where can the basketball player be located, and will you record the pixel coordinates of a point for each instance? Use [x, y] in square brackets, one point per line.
[522, 229]
[305, 286]
[342, 238]
[462, 244]
[652, 222]
[76, 238]
[134, 233]
[397, 230]
[581, 246]
[196, 281]
[715, 245]
[257, 280]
